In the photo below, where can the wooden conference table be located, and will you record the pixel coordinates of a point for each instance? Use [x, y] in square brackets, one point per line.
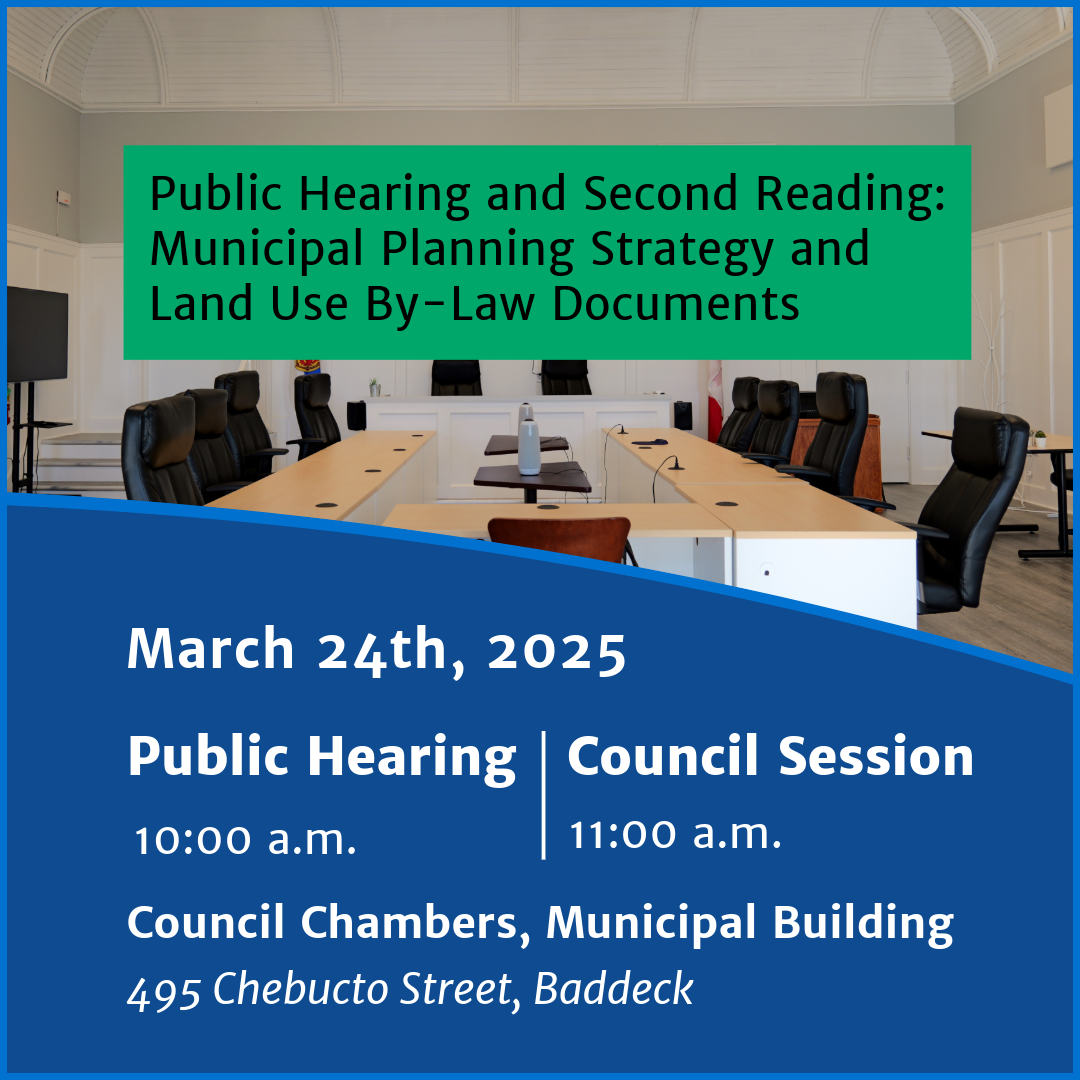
[633, 468]
[795, 541]
[685, 540]
[362, 478]
[780, 535]
[770, 533]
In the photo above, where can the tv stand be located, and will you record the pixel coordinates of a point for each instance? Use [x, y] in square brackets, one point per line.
[19, 482]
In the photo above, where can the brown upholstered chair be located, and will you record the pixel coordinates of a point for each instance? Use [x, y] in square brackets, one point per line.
[595, 538]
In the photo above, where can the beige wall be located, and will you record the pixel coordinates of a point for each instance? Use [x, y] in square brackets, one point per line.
[43, 158]
[1003, 123]
[50, 146]
[104, 134]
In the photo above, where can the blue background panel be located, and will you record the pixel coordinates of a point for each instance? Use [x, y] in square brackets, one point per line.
[993, 848]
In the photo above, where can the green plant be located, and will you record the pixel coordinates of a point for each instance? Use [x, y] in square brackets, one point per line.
[1040, 434]
[374, 382]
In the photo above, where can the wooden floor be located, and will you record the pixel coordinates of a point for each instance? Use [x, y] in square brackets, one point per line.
[1026, 607]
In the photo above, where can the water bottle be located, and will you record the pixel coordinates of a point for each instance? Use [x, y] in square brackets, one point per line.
[528, 447]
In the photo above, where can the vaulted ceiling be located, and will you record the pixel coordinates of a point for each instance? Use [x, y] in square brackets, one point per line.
[107, 59]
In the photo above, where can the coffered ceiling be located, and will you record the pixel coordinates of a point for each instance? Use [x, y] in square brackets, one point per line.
[108, 59]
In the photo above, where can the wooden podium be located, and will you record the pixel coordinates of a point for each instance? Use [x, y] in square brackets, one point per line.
[868, 475]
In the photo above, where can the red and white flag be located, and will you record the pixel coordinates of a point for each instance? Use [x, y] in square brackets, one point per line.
[716, 399]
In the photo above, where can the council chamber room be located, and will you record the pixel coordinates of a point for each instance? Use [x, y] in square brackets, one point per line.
[925, 493]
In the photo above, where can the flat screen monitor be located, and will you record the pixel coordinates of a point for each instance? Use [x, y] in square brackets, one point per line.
[37, 345]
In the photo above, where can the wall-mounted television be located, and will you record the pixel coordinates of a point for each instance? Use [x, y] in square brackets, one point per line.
[37, 337]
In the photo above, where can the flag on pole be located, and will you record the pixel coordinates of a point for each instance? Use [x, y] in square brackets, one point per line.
[716, 399]
[308, 367]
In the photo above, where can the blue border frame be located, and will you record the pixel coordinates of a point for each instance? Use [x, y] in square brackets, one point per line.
[117, 506]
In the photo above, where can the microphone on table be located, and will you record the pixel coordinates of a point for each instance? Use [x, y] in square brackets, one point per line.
[676, 467]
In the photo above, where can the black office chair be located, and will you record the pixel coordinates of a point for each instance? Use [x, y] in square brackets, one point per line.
[833, 457]
[318, 427]
[745, 416]
[775, 434]
[211, 458]
[565, 377]
[154, 450]
[808, 405]
[958, 522]
[246, 434]
[455, 378]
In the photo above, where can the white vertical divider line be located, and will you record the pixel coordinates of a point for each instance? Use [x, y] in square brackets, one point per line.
[543, 796]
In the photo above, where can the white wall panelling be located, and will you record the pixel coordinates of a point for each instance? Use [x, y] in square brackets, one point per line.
[887, 385]
[465, 424]
[1026, 267]
[507, 379]
[1028, 262]
[887, 389]
[102, 384]
[909, 396]
[107, 382]
[932, 394]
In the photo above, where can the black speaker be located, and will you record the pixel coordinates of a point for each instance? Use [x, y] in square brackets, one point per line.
[357, 415]
[684, 415]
